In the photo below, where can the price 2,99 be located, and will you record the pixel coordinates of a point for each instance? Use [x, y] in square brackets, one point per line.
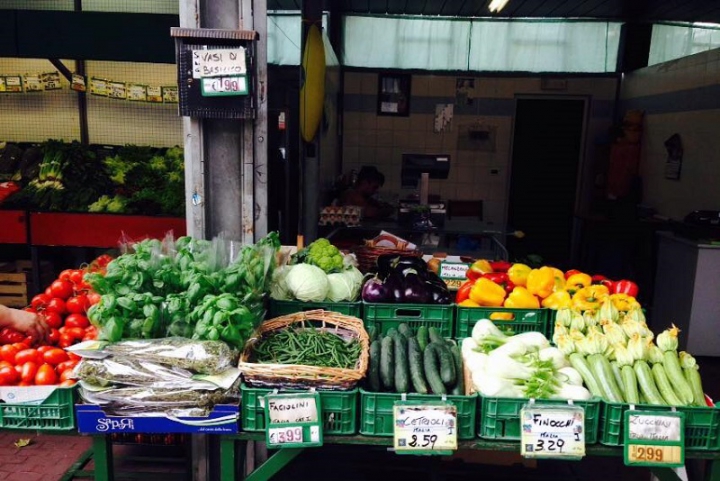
[427, 441]
[549, 445]
[289, 435]
[647, 453]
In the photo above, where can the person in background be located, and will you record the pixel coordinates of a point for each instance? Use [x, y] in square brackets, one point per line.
[362, 193]
[30, 323]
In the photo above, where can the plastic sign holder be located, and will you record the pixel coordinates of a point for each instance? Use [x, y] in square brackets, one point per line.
[424, 427]
[293, 420]
[654, 438]
[453, 274]
[552, 431]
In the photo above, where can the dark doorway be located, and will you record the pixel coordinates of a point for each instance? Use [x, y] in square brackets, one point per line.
[547, 146]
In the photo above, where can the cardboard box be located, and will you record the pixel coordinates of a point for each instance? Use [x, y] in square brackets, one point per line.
[91, 419]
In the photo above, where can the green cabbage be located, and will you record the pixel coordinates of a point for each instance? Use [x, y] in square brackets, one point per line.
[345, 286]
[307, 283]
[278, 286]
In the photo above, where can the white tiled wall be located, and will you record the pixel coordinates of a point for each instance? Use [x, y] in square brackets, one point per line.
[680, 97]
[370, 139]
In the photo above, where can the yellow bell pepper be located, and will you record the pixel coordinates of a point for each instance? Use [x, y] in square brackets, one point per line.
[502, 316]
[559, 279]
[624, 302]
[521, 298]
[487, 293]
[557, 300]
[590, 298]
[468, 303]
[541, 282]
[518, 274]
[577, 281]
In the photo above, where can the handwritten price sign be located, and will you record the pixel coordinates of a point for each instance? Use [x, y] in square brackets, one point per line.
[552, 431]
[654, 439]
[293, 420]
[224, 86]
[425, 428]
[219, 62]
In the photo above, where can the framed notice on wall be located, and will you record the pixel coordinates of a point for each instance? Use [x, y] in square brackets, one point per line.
[394, 95]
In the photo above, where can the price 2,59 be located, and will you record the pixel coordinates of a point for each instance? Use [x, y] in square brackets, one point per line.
[427, 441]
[550, 445]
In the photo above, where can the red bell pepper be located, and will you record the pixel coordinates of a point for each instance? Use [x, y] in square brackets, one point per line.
[464, 292]
[571, 273]
[626, 287]
[500, 266]
[603, 281]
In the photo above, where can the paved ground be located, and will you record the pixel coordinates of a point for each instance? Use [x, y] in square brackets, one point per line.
[46, 458]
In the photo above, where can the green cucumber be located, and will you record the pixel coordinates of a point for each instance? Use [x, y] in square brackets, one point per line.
[387, 363]
[374, 369]
[603, 373]
[646, 382]
[402, 370]
[415, 360]
[391, 332]
[630, 384]
[692, 375]
[677, 379]
[435, 335]
[459, 389]
[405, 330]
[423, 337]
[581, 366]
[664, 386]
[372, 332]
[431, 362]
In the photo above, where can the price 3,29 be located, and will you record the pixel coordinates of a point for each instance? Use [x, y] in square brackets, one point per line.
[427, 441]
[549, 445]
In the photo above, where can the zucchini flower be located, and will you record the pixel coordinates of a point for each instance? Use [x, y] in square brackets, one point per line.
[630, 326]
[638, 347]
[577, 321]
[563, 316]
[668, 339]
[608, 311]
[613, 332]
[590, 318]
[687, 361]
[637, 314]
[655, 355]
[566, 344]
[576, 335]
[594, 343]
[623, 356]
[595, 328]
[560, 330]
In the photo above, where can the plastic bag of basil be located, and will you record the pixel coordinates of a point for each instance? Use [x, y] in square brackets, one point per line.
[187, 287]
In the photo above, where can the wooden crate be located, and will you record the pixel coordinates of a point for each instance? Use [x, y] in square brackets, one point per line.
[14, 289]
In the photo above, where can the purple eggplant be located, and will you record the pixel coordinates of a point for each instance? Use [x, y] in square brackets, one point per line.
[395, 284]
[439, 294]
[416, 291]
[375, 290]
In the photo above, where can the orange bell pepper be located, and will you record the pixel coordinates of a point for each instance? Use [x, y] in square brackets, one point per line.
[577, 281]
[521, 298]
[541, 282]
[590, 298]
[557, 300]
[518, 274]
[487, 293]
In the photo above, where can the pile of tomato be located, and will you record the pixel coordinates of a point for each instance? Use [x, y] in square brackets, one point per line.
[25, 361]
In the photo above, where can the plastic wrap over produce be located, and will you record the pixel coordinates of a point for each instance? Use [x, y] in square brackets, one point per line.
[160, 377]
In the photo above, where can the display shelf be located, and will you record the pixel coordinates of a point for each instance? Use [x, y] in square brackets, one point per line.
[14, 227]
[98, 230]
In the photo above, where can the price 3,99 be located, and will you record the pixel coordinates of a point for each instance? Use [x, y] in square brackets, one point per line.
[427, 441]
[549, 445]
[289, 435]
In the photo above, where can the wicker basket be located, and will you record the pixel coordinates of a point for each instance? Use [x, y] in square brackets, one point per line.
[367, 256]
[303, 377]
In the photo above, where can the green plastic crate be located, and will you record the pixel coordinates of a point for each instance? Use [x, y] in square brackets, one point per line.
[55, 413]
[376, 412]
[385, 316]
[525, 320]
[282, 308]
[500, 417]
[338, 409]
[702, 425]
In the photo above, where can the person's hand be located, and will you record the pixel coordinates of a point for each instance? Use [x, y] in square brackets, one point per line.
[30, 323]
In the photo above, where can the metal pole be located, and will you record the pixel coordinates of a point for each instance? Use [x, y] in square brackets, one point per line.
[259, 18]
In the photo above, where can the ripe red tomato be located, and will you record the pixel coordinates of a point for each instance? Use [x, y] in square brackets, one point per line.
[45, 376]
[48, 292]
[20, 345]
[8, 376]
[77, 320]
[29, 369]
[53, 319]
[65, 366]
[40, 301]
[68, 383]
[56, 305]
[78, 304]
[5, 364]
[62, 289]
[93, 297]
[53, 336]
[76, 333]
[27, 355]
[55, 356]
[74, 357]
[65, 375]
[18, 369]
[66, 340]
[65, 275]
[44, 349]
[30, 309]
[8, 353]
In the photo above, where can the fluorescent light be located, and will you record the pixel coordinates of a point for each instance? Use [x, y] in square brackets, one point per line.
[497, 5]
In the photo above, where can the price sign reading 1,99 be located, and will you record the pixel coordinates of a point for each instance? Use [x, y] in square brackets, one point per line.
[224, 86]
